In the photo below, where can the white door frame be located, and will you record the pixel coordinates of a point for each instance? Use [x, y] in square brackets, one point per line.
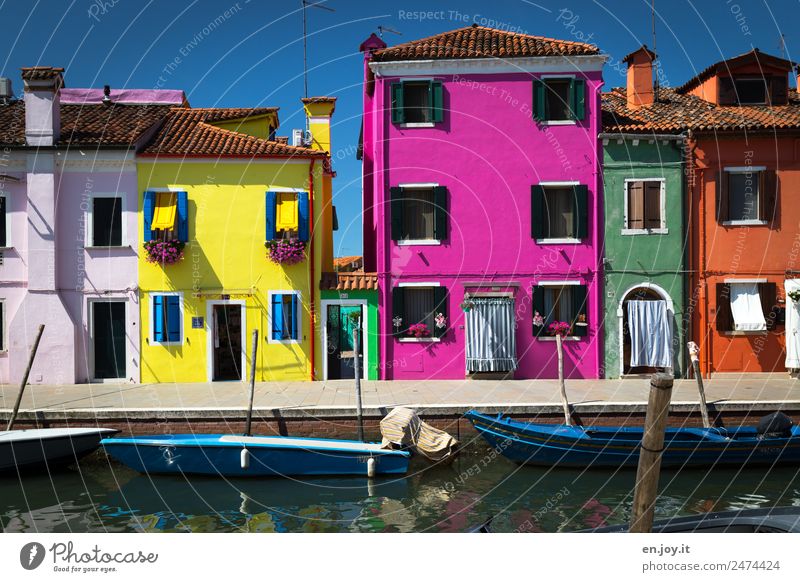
[364, 330]
[210, 335]
[620, 311]
[90, 303]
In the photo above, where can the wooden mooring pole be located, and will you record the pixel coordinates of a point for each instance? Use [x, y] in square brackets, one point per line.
[253, 352]
[357, 370]
[644, 496]
[22, 384]
[561, 385]
[694, 355]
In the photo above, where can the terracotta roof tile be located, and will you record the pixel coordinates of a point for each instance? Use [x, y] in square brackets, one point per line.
[355, 281]
[482, 42]
[190, 132]
[674, 113]
[39, 73]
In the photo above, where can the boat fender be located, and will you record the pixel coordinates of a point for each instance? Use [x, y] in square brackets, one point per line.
[245, 458]
[371, 466]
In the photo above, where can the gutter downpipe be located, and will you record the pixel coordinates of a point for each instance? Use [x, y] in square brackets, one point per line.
[311, 271]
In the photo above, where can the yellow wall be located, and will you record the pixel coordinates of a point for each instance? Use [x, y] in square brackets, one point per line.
[226, 254]
[257, 126]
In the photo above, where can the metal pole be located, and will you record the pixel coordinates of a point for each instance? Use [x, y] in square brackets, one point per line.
[561, 385]
[253, 351]
[694, 354]
[644, 496]
[305, 54]
[25, 377]
[357, 367]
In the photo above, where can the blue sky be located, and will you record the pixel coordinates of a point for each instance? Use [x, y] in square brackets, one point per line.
[253, 55]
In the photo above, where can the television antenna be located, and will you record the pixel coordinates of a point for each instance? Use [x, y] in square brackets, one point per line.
[309, 4]
[382, 29]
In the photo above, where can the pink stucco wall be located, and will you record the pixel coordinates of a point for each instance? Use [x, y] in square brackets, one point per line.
[487, 152]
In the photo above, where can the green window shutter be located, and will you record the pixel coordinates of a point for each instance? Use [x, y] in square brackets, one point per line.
[577, 96]
[538, 104]
[436, 101]
[538, 215]
[398, 114]
[396, 196]
[440, 213]
[398, 310]
[581, 211]
[440, 306]
[579, 307]
[538, 307]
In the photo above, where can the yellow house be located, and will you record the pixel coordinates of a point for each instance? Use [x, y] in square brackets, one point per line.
[237, 227]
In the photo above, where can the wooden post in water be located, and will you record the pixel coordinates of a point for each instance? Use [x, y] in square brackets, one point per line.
[357, 369]
[561, 385]
[253, 352]
[694, 354]
[644, 496]
[22, 384]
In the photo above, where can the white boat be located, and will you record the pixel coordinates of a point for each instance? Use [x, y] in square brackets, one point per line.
[47, 448]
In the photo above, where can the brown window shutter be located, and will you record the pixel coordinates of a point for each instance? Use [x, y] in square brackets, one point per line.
[727, 92]
[652, 205]
[778, 90]
[769, 298]
[635, 205]
[724, 317]
[722, 197]
[768, 195]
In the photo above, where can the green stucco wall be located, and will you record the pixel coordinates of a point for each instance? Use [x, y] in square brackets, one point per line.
[633, 260]
[371, 335]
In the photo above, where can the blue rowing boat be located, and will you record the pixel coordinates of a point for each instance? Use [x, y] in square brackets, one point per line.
[553, 445]
[254, 456]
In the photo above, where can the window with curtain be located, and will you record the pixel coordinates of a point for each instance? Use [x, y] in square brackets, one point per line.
[420, 303]
[559, 208]
[416, 102]
[560, 302]
[418, 214]
[286, 214]
[743, 194]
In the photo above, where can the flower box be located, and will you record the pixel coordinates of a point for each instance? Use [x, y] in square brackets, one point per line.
[286, 251]
[164, 252]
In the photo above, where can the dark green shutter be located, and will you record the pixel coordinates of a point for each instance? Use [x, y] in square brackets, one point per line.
[538, 104]
[440, 306]
[578, 98]
[581, 211]
[538, 307]
[396, 195]
[538, 215]
[398, 114]
[724, 318]
[440, 213]
[437, 101]
[579, 307]
[398, 310]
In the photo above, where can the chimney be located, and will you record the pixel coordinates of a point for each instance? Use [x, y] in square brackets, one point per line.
[640, 77]
[318, 113]
[42, 104]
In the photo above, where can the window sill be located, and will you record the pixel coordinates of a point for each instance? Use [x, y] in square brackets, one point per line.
[417, 124]
[419, 340]
[639, 231]
[744, 223]
[559, 122]
[166, 344]
[742, 332]
[285, 342]
[105, 248]
[550, 338]
[558, 241]
[419, 242]
[6, 249]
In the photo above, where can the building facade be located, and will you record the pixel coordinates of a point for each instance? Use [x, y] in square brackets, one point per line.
[482, 199]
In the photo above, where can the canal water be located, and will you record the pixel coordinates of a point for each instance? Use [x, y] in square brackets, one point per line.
[102, 497]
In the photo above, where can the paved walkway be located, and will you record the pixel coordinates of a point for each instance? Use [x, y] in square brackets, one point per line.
[338, 397]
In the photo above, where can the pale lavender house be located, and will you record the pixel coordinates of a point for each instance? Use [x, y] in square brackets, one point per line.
[68, 236]
[482, 199]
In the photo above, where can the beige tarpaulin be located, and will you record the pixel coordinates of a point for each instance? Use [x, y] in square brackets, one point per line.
[403, 427]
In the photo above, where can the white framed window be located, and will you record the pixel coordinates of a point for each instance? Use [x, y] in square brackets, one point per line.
[747, 196]
[284, 318]
[419, 214]
[645, 209]
[105, 226]
[166, 318]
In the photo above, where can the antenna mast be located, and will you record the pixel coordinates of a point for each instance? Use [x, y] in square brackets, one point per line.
[655, 81]
[306, 4]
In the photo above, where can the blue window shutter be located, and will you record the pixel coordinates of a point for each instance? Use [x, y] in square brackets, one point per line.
[158, 318]
[183, 217]
[277, 316]
[173, 306]
[304, 220]
[272, 208]
[148, 207]
[295, 324]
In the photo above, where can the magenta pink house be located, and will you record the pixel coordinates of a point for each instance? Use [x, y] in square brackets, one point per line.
[482, 198]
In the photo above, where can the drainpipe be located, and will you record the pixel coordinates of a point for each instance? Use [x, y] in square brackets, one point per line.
[311, 260]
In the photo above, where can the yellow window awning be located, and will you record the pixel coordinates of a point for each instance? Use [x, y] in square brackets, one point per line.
[166, 207]
[286, 211]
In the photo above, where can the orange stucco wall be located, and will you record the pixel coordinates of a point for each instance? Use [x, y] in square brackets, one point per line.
[718, 252]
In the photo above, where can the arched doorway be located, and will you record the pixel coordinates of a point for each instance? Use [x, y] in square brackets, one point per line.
[643, 292]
